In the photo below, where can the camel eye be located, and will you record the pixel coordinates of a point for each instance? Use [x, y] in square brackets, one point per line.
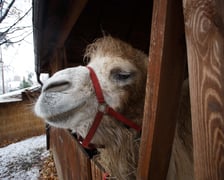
[122, 76]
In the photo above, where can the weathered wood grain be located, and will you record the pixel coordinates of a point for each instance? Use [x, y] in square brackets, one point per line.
[97, 171]
[165, 75]
[204, 25]
[71, 160]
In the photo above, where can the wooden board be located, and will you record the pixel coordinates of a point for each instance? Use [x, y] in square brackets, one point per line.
[97, 171]
[165, 76]
[71, 160]
[204, 25]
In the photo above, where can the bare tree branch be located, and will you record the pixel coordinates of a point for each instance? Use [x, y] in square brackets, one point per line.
[7, 11]
[6, 31]
[18, 29]
[9, 41]
[10, 29]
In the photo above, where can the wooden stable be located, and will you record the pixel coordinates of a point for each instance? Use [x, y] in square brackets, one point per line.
[181, 37]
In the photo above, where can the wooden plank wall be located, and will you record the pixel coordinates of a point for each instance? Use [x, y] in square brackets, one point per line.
[71, 160]
[166, 70]
[204, 25]
[18, 121]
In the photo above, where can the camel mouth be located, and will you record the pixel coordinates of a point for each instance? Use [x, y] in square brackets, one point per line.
[64, 116]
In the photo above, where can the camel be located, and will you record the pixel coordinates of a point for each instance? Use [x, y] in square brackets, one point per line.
[69, 100]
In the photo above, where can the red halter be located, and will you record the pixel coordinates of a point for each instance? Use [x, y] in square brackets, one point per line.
[103, 108]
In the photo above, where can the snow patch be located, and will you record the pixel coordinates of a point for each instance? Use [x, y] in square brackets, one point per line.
[23, 160]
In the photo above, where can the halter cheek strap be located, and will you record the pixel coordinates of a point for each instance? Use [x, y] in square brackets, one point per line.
[103, 108]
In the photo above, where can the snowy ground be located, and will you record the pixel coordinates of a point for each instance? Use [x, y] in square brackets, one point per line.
[23, 160]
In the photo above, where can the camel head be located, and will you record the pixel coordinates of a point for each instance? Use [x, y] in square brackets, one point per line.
[68, 99]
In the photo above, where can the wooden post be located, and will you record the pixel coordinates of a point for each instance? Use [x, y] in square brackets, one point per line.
[204, 25]
[165, 76]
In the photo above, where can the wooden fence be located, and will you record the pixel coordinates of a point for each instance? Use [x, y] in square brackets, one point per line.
[17, 120]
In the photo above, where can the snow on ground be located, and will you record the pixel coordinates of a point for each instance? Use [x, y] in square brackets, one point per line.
[23, 160]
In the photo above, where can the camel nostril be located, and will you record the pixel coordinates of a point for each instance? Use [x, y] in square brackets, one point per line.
[57, 86]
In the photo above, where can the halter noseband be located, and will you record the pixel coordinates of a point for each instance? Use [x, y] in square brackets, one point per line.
[103, 108]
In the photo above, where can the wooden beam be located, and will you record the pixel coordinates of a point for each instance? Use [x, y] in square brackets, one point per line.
[204, 25]
[165, 75]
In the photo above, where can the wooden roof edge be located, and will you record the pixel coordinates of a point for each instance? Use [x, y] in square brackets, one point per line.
[53, 21]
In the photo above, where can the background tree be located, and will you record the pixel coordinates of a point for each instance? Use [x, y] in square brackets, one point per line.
[12, 33]
[4, 13]
[26, 82]
[14, 29]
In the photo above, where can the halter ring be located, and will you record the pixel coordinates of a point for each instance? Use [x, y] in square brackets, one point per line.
[102, 107]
